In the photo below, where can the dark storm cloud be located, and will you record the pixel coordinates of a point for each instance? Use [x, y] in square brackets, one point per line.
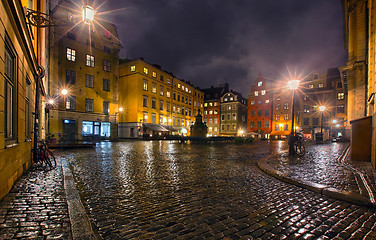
[211, 41]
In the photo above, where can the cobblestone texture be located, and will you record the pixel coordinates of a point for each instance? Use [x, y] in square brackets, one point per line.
[321, 165]
[164, 190]
[36, 207]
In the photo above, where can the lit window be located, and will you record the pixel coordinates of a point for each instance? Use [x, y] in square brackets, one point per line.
[252, 102]
[340, 96]
[70, 103]
[286, 106]
[178, 85]
[182, 87]
[310, 86]
[321, 85]
[107, 33]
[146, 70]
[277, 117]
[168, 81]
[259, 84]
[205, 104]
[161, 91]
[89, 60]
[106, 65]
[256, 93]
[267, 101]
[168, 92]
[145, 85]
[133, 68]
[263, 92]
[154, 88]
[71, 54]
[278, 98]
[154, 74]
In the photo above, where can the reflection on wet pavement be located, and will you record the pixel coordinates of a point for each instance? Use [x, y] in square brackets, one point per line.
[168, 190]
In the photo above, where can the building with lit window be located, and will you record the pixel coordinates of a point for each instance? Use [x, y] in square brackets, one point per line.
[22, 51]
[260, 106]
[282, 111]
[83, 75]
[155, 102]
[212, 108]
[233, 114]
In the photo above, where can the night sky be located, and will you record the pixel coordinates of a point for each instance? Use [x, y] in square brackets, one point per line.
[209, 42]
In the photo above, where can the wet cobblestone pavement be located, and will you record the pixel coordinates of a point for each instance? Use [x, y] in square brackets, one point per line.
[166, 190]
[36, 207]
[322, 165]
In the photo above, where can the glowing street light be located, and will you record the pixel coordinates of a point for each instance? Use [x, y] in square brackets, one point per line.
[88, 14]
[293, 84]
[120, 109]
[64, 92]
[51, 101]
[334, 121]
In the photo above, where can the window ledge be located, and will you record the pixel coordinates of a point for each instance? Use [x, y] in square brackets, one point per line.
[10, 145]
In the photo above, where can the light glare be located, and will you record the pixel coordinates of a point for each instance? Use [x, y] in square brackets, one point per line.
[293, 84]
[88, 14]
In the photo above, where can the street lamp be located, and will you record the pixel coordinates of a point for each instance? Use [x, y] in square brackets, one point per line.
[322, 109]
[292, 85]
[88, 14]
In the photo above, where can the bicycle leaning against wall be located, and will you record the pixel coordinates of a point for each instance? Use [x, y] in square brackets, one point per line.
[44, 155]
[298, 144]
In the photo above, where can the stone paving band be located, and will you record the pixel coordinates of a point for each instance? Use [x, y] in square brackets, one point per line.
[167, 190]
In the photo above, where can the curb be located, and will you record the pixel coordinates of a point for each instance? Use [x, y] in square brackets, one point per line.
[80, 223]
[352, 197]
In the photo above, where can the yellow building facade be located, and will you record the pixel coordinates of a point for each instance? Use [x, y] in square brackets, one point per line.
[84, 66]
[155, 101]
[22, 52]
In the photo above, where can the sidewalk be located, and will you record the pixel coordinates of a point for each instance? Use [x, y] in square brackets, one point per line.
[326, 169]
[36, 207]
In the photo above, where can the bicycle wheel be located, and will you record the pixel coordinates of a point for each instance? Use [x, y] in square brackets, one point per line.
[299, 148]
[45, 158]
[51, 157]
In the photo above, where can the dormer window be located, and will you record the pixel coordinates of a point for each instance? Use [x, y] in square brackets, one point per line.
[107, 33]
[259, 84]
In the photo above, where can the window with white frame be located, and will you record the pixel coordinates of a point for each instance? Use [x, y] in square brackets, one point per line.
[89, 60]
[71, 55]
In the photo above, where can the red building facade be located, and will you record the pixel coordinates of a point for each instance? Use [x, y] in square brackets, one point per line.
[260, 106]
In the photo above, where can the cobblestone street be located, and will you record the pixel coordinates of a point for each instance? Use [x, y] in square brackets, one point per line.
[165, 190]
[36, 207]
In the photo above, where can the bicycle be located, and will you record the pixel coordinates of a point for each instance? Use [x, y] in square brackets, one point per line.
[45, 156]
[298, 144]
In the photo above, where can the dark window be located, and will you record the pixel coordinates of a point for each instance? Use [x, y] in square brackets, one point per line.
[71, 77]
[106, 84]
[89, 81]
[252, 113]
[259, 113]
[339, 84]
[252, 124]
[153, 103]
[278, 107]
[315, 121]
[306, 121]
[266, 124]
[267, 112]
[286, 127]
[107, 49]
[106, 107]
[341, 108]
[10, 92]
[259, 124]
[71, 36]
[89, 105]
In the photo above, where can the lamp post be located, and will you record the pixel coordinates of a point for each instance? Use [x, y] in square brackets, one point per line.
[292, 85]
[322, 109]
